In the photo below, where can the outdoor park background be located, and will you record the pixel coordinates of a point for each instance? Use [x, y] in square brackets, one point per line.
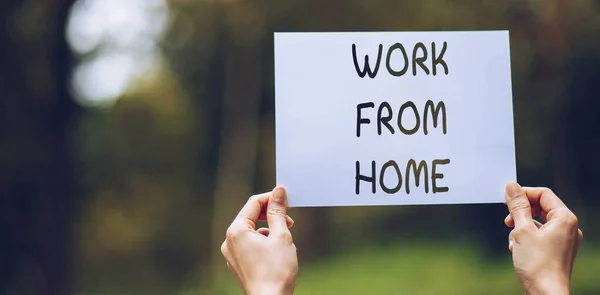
[131, 132]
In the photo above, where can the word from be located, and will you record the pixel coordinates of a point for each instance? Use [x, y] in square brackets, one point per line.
[383, 119]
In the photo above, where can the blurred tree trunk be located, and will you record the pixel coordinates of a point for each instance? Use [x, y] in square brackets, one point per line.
[555, 46]
[244, 61]
[194, 47]
[37, 183]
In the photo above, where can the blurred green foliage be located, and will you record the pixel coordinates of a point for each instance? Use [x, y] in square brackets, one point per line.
[134, 197]
[455, 268]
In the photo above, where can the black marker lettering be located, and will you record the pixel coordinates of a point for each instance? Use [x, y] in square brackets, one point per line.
[360, 177]
[417, 118]
[417, 173]
[389, 57]
[434, 114]
[381, 176]
[439, 59]
[435, 176]
[384, 120]
[367, 68]
[359, 119]
[419, 60]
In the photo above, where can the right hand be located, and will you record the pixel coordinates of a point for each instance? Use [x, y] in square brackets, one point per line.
[543, 254]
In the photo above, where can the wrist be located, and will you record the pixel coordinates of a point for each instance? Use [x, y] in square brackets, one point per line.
[549, 286]
[270, 290]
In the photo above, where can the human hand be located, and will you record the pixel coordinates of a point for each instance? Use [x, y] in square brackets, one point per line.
[543, 254]
[264, 261]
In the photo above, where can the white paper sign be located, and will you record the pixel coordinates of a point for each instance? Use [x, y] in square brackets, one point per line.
[391, 118]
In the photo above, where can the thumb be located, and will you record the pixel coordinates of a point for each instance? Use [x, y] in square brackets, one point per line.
[277, 210]
[518, 205]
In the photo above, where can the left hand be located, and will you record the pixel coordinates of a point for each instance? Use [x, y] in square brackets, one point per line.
[264, 261]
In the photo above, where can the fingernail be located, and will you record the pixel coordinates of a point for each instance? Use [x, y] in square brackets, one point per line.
[279, 195]
[290, 219]
[513, 189]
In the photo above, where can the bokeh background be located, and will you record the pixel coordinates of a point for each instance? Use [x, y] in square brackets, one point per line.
[132, 131]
